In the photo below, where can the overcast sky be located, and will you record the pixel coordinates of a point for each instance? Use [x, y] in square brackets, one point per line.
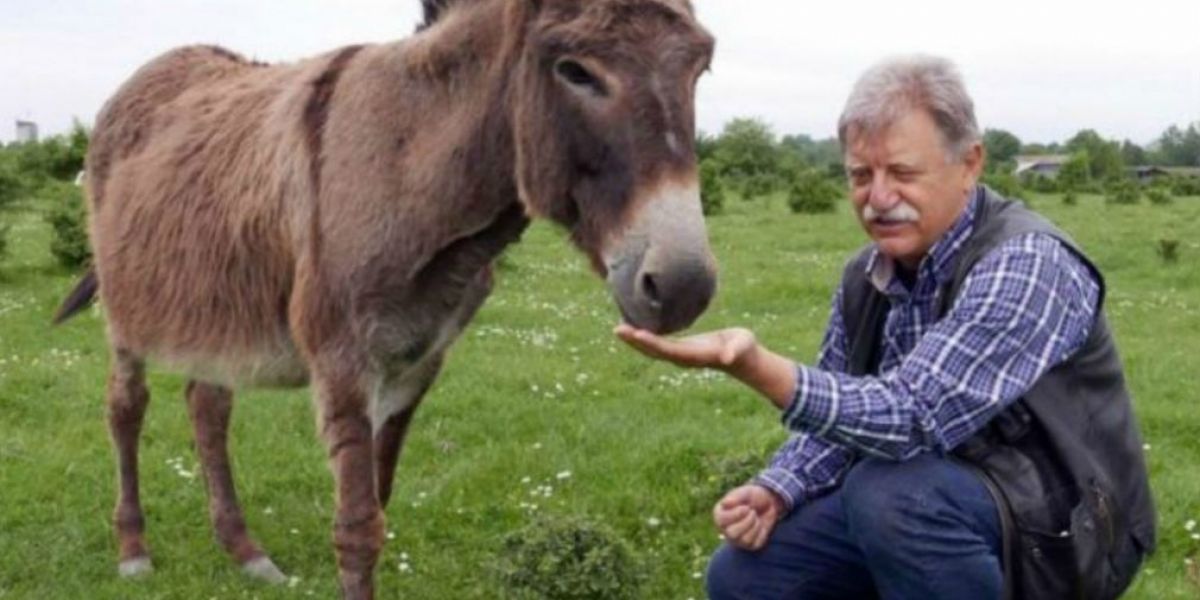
[1042, 70]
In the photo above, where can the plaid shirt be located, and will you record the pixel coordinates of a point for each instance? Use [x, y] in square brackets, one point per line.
[1025, 307]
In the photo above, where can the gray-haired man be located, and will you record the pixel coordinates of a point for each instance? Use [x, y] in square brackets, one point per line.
[966, 432]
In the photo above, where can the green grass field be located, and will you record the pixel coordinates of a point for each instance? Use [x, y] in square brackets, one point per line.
[539, 411]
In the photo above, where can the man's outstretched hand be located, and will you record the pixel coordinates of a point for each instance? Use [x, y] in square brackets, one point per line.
[724, 349]
[735, 351]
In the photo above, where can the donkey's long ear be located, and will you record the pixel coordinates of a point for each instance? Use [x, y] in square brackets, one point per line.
[432, 10]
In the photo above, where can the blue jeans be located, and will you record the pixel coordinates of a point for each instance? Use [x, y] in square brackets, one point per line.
[922, 529]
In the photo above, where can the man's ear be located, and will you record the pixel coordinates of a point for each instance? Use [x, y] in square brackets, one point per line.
[973, 162]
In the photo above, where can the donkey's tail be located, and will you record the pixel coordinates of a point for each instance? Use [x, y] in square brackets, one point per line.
[80, 297]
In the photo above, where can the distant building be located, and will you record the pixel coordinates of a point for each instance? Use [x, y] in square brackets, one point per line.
[27, 131]
[1046, 165]
[1147, 173]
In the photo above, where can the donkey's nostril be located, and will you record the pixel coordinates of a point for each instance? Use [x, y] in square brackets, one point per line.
[650, 289]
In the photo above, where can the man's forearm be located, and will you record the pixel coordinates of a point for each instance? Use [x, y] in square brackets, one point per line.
[770, 374]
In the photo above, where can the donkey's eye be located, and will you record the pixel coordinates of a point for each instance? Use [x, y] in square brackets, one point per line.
[577, 75]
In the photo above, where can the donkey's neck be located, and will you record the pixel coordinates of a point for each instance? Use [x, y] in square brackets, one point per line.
[467, 58]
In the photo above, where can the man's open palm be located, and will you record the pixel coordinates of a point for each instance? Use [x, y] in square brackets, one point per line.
[721, 349]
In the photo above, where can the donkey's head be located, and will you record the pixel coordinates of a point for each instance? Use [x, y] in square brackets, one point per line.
[604, 120]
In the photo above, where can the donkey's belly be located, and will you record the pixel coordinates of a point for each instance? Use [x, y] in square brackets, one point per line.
[277, 366]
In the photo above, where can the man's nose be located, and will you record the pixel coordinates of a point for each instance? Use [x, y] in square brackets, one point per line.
[882, 198]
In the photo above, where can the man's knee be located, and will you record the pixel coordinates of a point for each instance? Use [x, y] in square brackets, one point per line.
[887, 502]
[723, 576]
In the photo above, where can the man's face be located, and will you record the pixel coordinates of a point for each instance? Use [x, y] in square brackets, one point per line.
[906, 190]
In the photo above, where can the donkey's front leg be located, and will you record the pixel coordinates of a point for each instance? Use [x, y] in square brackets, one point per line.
[359, 525]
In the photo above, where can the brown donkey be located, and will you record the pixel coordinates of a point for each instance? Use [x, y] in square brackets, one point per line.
[333, 222]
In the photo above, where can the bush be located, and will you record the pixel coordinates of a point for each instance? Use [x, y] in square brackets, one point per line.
[566, 558]
[1158, 196]
[712, 191]
[1123, 191]
[758, 185]
[10, 184]
[813, 193]
[60, 157]
[67, 216]
[1168, 250]
[1004, 184]
[1070, 198]
[1185, 186]
[1039, 183]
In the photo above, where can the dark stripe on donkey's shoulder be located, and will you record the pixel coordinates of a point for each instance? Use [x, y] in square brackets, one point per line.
[316, 112]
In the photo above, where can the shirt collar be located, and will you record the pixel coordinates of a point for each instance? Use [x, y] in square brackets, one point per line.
[938, 262]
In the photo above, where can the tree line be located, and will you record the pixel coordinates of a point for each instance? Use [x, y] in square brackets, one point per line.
[749, 160]
[42, 176]
[746, 160]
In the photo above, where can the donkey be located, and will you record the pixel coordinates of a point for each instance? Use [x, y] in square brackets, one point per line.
[333, 222]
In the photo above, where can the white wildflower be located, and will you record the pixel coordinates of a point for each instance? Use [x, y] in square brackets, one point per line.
[563, 475]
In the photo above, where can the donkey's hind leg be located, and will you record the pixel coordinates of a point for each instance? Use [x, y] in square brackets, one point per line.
[209, 407]
[127, 400]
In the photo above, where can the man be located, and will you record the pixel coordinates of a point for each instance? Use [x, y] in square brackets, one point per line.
[966, 432]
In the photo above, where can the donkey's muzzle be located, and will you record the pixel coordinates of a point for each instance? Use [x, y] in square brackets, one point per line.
[677, 297]
[661, 270]
[664, 296]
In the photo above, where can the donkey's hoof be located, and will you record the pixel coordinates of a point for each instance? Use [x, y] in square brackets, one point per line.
[135, 567]
[262, 568]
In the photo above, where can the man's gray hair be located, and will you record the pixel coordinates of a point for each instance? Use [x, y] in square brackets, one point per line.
[895, 86]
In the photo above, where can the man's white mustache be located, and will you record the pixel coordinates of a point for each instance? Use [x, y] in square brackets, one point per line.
[900, 213]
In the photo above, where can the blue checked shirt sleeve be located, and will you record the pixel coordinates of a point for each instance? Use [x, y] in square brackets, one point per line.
[807, 466]
[1025, 307]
